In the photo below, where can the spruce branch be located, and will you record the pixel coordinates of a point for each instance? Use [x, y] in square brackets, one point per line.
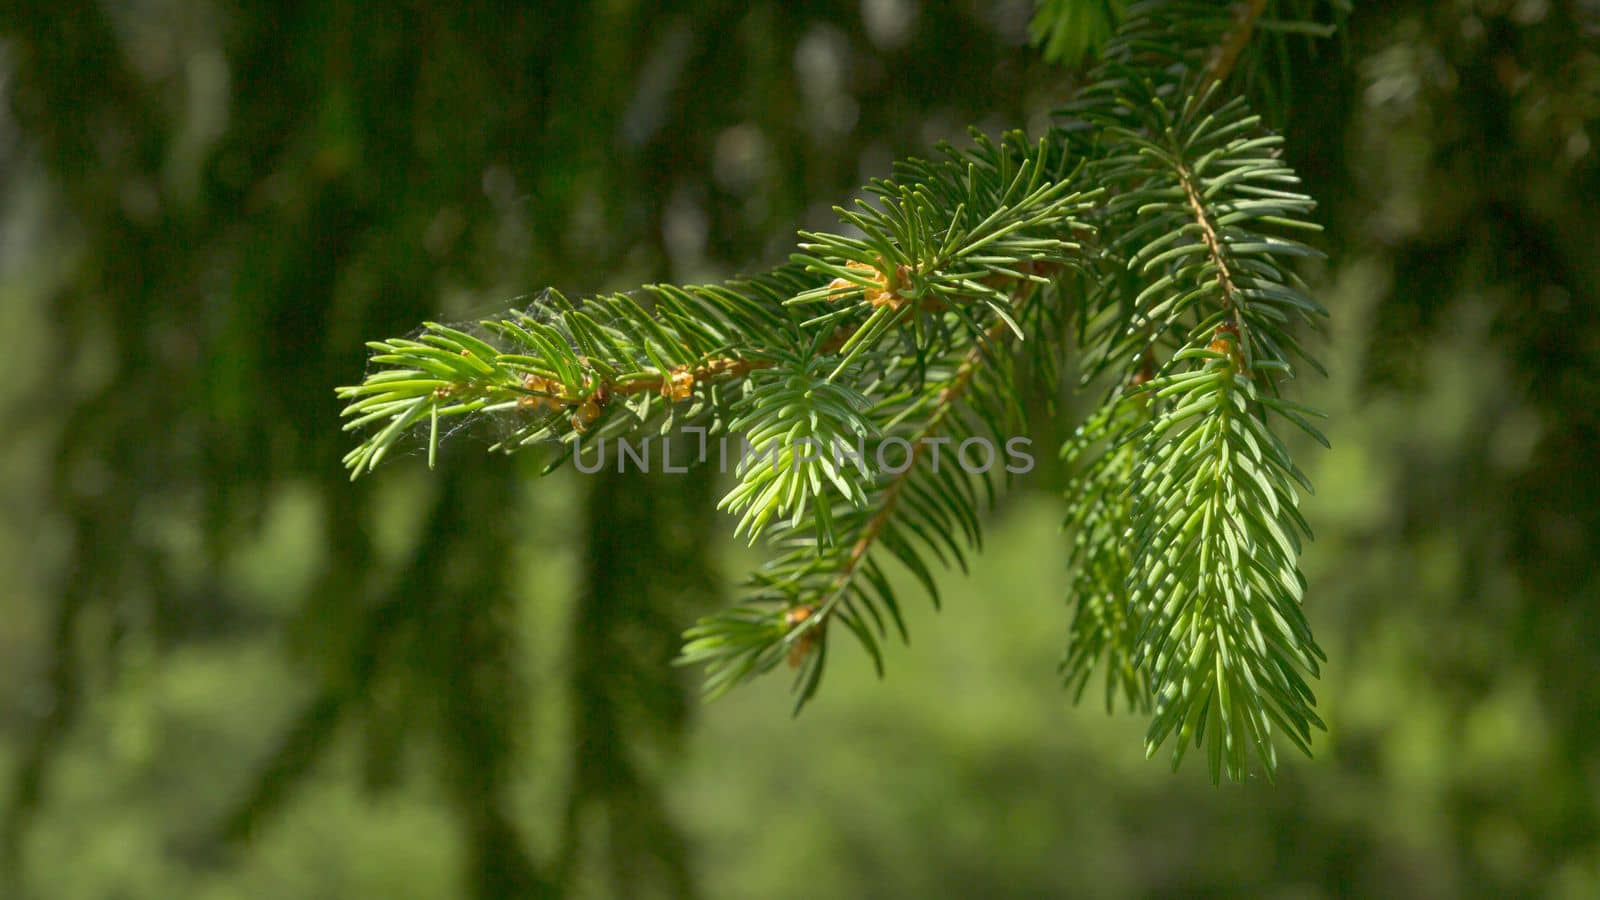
[1155, 217]
[1185, 581]
[945, 240]
[1227, 641]
[559, 369]
[913, 513]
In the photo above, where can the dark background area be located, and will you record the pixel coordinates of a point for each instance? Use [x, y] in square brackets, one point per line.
[225, 671]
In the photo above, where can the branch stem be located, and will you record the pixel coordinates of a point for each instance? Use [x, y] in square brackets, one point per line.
[945, 406]
[1226, 54]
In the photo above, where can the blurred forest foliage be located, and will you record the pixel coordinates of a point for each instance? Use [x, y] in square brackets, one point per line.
[227, 672]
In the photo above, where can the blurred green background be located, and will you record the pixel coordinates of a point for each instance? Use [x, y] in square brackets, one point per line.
[225, 672]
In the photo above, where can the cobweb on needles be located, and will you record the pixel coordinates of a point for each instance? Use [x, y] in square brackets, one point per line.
[483, 430]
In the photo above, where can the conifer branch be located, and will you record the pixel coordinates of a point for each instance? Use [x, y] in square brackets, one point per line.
[811, 584]
[1211, 570]
[1196, 605]
[1184, 504]
[945, 405]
